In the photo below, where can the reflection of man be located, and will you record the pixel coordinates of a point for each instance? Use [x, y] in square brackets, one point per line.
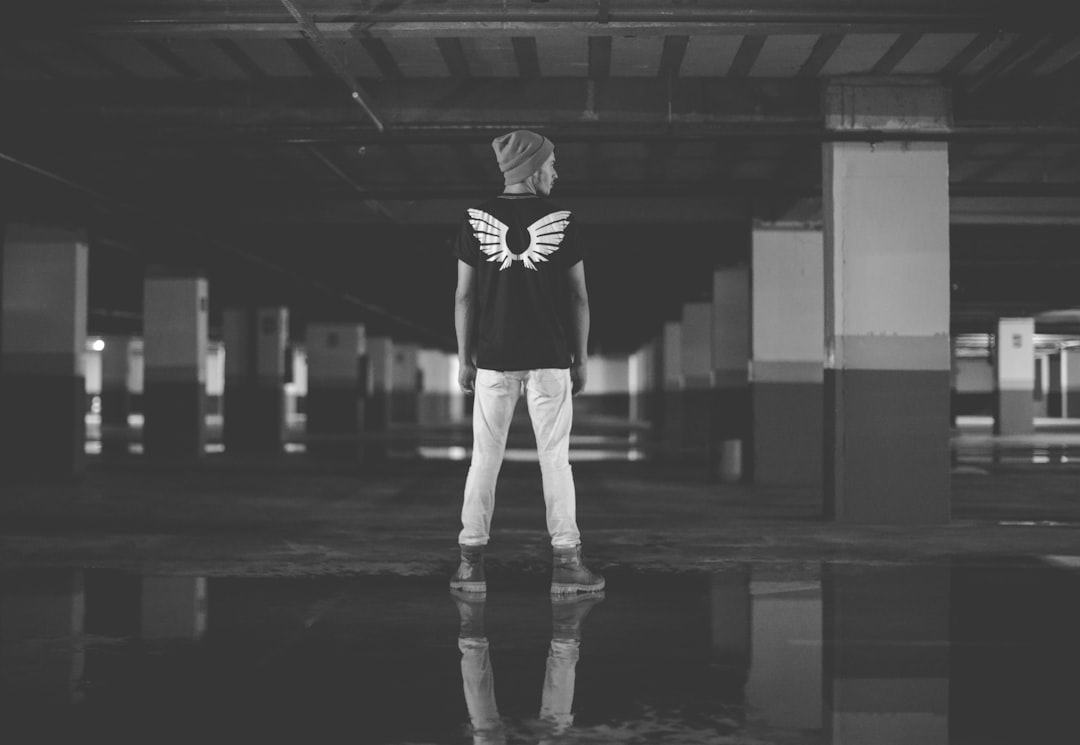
[478, 677]
[522, 321]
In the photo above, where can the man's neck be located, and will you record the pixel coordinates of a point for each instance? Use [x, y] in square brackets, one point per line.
[521, 187]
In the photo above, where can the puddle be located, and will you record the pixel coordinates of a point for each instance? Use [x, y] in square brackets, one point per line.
[978, 650]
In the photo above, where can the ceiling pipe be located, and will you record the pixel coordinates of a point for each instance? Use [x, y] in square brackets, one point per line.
[314, 38]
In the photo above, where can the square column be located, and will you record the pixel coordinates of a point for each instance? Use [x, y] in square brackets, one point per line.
[405, 384]
[887, 669]
[116, 390]
[337, 379]
[669, 422]
[1070, 382]
[644, 382]
[888, 366]
[380, 354]
[438, 386]
[697, 378]
[731, 425]
[1014, 370]
[175, 331]
[42, 343]
[256, 340]
[788, 366]
[1055, 364]
[608, 392]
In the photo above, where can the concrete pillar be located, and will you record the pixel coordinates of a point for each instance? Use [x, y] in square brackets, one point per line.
[974, 386]
[697, 378]
[1054, 368]
[731, 635]
[405, 384]
[173, 608]
[175, 328]
[337, 379]
[607, 393]
[42, 343]
[43, 619]
[380, 352]
[438, 384]
[784, 688]
[1070, 381]
[887, 375]
[670, 422]
[788, 367]
[731, 425]
[256, 342]
[644, 381]
[115, 396]
[1014, 366]
[886, 667]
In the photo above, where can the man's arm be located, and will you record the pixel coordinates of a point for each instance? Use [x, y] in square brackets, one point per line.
[579, 326]
[463, 323]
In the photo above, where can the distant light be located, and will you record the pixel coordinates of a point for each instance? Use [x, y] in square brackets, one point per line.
[99, 345]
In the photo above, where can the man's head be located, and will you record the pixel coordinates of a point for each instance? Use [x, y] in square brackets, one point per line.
[526, 158]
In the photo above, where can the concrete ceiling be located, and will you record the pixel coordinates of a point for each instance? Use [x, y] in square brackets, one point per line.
[317, 152]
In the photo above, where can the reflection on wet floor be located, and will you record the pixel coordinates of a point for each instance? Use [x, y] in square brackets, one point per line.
[962, 651]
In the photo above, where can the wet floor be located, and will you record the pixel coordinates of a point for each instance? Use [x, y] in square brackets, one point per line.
[967, 650]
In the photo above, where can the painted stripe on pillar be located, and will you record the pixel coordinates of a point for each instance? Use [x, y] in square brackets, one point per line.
[770, 371]
[891, 352]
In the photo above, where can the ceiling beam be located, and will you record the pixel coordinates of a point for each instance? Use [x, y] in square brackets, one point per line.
[317, 42]
[672, 55]
[240, 58]
[747, 54]
[896, 53]
[599, 57]
[480, 18]
[527, 57]
[823, 50]
[453, 54]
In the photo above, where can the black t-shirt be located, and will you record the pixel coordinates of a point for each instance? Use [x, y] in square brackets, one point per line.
[522, 248]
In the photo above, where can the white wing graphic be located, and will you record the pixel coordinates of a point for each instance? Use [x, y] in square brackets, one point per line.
[545, 236]
[491, 234]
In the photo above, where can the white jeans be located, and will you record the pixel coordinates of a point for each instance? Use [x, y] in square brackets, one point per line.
[548, 394]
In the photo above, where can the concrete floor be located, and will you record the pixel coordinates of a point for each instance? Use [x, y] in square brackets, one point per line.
[322, 594]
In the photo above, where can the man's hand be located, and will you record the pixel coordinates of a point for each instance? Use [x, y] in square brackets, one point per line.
[467, 377]
[577, 377]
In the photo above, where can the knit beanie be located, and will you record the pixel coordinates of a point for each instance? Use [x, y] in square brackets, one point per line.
[520, 154]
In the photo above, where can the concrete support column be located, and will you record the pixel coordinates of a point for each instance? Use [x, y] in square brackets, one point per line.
[644, 382]
[607, 393]
[380, 352]
[731, 427]
[730, 615]
[173, 608]
[1070, 377]
[697, 378]
[1055, 366]
[116, 390]
[887, 376]
[438, 385]
[337, 378]
[1014, 369]
[175, 328]
[885, 681]
[256, 341]
[42, 343]
[405, 384]
[788, 366]
[669, 423]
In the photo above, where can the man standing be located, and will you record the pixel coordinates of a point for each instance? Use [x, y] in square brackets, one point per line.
[522, 321]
